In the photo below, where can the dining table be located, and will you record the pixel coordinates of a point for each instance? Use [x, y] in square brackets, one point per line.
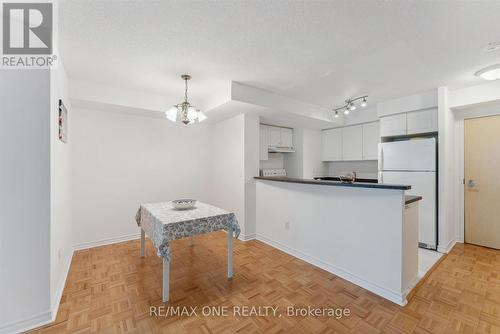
[163, 223]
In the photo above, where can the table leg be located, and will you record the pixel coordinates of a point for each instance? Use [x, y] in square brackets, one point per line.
[166, 280]
[230, 253]
[143, 242]
[191, 241]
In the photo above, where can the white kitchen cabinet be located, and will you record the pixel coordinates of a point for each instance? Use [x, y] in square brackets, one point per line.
[394, 125]
[371, 138]
[332, 145]
[286, 137]
[280, 137]
[410, 245]
[352, 142]
[274, 136]
[422, 121]
[264, 142]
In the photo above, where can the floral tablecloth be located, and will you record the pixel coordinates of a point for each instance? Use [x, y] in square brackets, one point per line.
[163, 223]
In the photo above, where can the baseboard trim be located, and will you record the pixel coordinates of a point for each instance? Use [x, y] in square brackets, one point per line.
[43, 318]
[373, 287]
[247, 237]
[421, 281]
[27, 323]
[447, 248]
[60, 287]
[107, 241]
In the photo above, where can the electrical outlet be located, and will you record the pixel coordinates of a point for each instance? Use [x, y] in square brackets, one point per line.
[287, 225]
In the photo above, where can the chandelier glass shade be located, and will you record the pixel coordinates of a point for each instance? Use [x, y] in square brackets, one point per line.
[184, 112]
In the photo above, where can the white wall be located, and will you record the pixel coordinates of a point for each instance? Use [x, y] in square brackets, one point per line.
[361, 115]
[121, 160]
[275, 160]
[488, 92]
[61, 243]
[251, 165]
[234, 164]
[418, 101]
[447, 184]
[24, 198]
[305, 162]
[311, 154]
[227, 167]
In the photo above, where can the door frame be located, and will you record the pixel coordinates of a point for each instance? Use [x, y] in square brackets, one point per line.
[461, 114]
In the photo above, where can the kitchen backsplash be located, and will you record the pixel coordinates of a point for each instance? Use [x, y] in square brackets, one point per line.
[364, 169]
[276, 160]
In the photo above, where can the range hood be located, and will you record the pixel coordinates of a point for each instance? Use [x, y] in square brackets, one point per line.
[280, 149]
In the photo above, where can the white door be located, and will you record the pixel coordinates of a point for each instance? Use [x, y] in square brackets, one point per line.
[422, 184]
[332, 145]
[394, 125]
[422, 121]
[352, 143]
[286, 137]
[274, 136]
[482, 184]
[371, 138]
[408, 155]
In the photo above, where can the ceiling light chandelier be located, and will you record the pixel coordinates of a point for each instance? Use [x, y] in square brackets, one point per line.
[184, 111]
[350, 105]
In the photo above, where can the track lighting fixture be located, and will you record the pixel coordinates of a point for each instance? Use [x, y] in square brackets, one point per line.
[350, 105]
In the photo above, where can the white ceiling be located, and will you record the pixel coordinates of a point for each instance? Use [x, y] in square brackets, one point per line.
[315, 51]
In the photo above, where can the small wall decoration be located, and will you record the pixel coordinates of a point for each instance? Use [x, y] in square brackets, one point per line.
[63, 122]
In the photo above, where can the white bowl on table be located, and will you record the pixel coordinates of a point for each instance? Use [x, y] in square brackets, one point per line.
[183, 204]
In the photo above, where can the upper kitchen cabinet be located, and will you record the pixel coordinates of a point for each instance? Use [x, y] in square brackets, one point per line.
[422, 121]
[274, 136]
[352, 142]
[280, 137]
[371, 138]
[264, 142]
[394, 125]
[409, 115]
[332, 145]
[286, 137]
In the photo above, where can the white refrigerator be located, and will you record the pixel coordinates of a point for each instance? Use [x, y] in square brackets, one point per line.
[414, 162]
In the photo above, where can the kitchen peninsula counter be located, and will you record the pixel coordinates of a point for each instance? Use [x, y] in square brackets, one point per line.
[366, 233]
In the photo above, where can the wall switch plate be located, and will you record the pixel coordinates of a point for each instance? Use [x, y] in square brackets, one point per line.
[287, 225]
[59, 253]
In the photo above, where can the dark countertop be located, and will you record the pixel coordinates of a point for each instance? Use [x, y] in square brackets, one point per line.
[336, 183]
[336, 178]
[410, 199]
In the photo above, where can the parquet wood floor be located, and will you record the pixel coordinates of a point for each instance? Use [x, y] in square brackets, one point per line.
[110, 290]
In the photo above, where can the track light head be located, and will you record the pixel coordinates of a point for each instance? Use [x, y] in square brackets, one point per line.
[364, 103]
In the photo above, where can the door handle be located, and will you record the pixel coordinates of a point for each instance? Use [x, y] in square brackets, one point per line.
[471, 184]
